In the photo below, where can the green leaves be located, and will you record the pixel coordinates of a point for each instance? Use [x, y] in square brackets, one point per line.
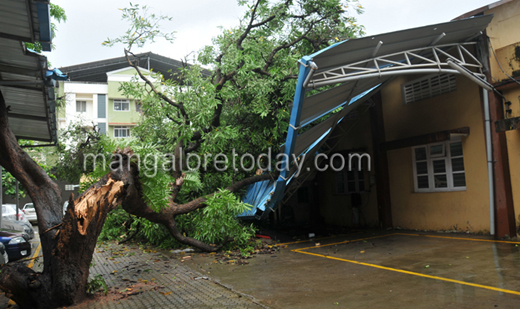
[216, 222]
[213, 224]
[237, 95]
[96, 284]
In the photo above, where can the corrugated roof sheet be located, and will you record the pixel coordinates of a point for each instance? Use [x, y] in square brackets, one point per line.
[95, 71]
[24, 83]
[16, 22]
[355, 50]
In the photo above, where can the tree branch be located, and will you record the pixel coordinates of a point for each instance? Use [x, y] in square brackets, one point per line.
[200, 202]
[180, 107]
[270, 62]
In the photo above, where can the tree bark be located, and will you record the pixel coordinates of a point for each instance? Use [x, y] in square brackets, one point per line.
[68, 242]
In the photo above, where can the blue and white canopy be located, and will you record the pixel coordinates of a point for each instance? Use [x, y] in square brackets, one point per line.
[355, 69]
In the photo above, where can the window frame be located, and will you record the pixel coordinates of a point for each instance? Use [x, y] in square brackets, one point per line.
[447, 158]
[118, 128]
[83, 104]
[359, 176]
[121, 101]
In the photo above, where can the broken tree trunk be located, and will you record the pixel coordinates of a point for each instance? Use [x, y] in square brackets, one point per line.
[68, 242]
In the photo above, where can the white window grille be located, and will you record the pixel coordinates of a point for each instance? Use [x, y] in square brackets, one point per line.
[439, 167]
[428, 87]
[121, 132]
[81, 106]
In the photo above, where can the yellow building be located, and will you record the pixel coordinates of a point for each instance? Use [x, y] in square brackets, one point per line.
[437, 161]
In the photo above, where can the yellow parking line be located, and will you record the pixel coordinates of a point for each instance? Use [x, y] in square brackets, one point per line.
[344, 242]
[306, 240]
[461, 238]
[405, 234]
[30, 265]
[412, 273]
[406, 271]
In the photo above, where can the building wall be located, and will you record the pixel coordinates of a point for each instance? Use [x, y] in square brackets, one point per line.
[505, 40]
[513, 148]
[121, 118]
[73, 91]
[503, 33]
[461, 210]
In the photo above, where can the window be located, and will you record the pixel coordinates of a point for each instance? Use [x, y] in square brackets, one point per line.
[439, 167]
[348, 182]
[102, 128]
[428, 87]
[121, 132]
[121, 105]
[138, 106]
[81, 106]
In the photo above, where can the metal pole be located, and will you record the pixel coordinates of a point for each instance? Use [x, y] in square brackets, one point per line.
[17, 199]
[489, 152]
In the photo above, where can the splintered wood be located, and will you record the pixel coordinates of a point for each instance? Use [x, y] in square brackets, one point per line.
[95, 200]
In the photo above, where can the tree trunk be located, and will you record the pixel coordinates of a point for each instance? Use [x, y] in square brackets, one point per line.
[68, 242]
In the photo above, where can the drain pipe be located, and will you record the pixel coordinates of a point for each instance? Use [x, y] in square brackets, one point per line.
[487, 124]
[489, 151]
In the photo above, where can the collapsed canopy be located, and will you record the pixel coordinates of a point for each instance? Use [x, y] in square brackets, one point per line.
[353, 70]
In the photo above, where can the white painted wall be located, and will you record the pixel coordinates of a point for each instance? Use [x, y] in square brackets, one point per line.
[78, 91]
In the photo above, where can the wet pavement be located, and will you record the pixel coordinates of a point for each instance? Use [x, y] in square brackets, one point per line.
[380, 271]
[363, 270]
[140, 276]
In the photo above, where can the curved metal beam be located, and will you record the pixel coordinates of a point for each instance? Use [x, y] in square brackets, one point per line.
[431, 59]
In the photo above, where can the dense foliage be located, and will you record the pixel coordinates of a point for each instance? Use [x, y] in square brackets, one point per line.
[213, 224]
[235, 97]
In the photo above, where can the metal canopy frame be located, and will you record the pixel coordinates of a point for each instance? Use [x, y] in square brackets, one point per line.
[416, 61]
[354, 70]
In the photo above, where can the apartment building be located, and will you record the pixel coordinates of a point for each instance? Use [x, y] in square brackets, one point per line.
[92, 95]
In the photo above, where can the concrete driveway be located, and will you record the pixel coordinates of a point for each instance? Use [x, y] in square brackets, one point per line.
[393, 270]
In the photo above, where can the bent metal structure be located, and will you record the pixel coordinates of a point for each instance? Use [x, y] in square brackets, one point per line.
[350, 72]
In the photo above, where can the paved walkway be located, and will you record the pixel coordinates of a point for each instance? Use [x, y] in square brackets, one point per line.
[140, 277]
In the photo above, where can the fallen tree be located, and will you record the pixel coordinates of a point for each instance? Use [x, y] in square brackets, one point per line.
[68, 241]
[244, 104]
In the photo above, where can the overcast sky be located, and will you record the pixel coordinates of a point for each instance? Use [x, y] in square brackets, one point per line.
[196, 22]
